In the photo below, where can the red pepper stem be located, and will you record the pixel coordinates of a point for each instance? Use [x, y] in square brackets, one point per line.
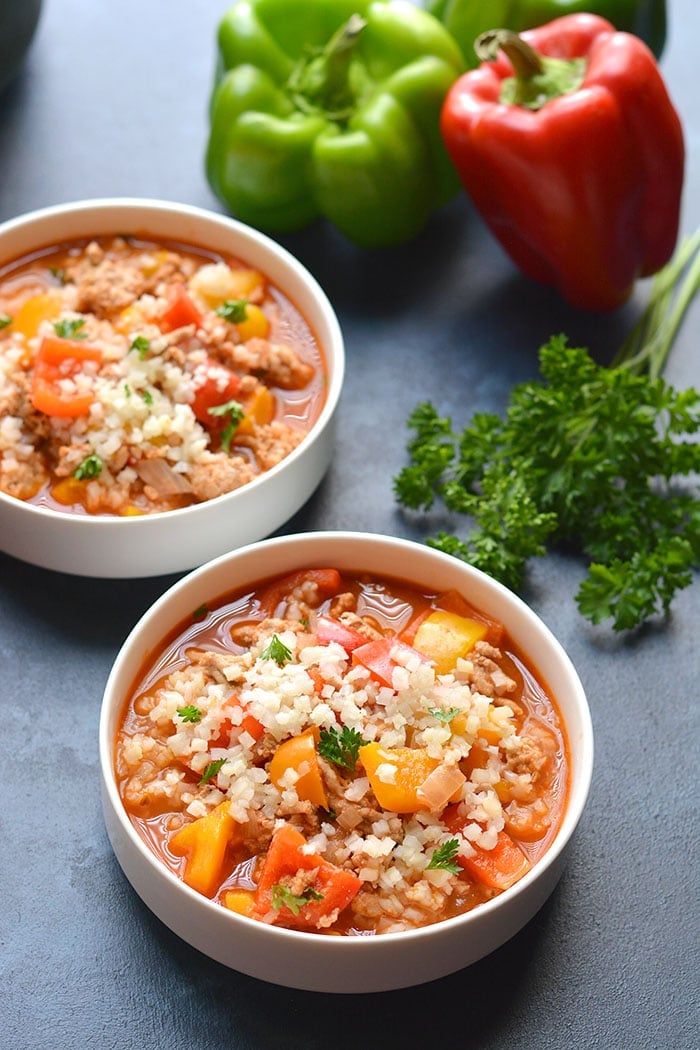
[523, 58]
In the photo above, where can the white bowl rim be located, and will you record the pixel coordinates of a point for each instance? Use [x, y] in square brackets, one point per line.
[336, 372]
[581, 776]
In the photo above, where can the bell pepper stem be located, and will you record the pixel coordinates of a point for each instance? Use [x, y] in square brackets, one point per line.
[538, 78]
[319, 83]
[523, 58]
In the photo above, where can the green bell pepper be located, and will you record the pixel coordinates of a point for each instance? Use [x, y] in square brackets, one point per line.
[330, 108]
[467, 19]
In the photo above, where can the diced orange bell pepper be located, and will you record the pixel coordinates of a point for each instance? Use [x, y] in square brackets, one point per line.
[58, 359]
[240, 900]
[296, 753]
[259, 409]
[444, 637]
[412, 765]
[38, 308]
[204, 843]
[500, 867]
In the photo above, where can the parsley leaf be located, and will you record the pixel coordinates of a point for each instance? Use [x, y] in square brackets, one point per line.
[147, 396]
[91, 467]
[233, 310]
[340, 747]
[442, 714]
[235, 412]
[603, 460]
[587, 457]
[444, 857]
[282, 897]
[200, 612]
[59, 273]
[191, 713]
[141, 346]
[70, 329]
[211, 770]
[5, 320]
[277, 651]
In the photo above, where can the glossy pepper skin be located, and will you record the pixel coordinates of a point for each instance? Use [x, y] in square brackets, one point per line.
[583, 193]
[354, 138]
[467, 19]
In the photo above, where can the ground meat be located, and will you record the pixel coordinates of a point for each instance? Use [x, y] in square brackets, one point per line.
[215, 475]
[276, 364]
[250, 635]
[105, 286]
[22, 478]
[214, 664]
[487, 677]
[271, 442]
[528, 758]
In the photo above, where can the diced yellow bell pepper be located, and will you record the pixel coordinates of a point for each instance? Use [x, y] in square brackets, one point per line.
[412, 766]
[444, 637]
[44, 307]
[255, 325]
[296, 753]
[240, 900]
[204, 843]
[234, 284]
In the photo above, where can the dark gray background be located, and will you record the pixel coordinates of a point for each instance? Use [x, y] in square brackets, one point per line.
[112, 101]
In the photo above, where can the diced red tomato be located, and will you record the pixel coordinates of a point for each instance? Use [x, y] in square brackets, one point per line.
[376, 657]
[214, 385]
[334, 886]
[58, 359]
[328, 630]
[327, 581]
[180, 311]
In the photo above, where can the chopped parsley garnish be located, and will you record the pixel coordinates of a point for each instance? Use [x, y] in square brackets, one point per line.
[234, 411]
[5, 320]
[70, 329]
[277, 651]
[200, 612]
[59, 273]
[211, 770]
[442, 714]
[191, 713]
[233, 310]
[444, 857]
[340, 747]
[147, 396]
[282, 897]
[91, 467]
[140, 345]
[127, 390]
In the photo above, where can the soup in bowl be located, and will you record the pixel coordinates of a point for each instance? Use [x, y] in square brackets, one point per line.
[349, 763]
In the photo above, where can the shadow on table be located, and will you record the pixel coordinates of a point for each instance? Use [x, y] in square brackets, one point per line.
[468, 1008]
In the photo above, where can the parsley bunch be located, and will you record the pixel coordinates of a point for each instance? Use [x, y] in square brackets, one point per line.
[601, 459]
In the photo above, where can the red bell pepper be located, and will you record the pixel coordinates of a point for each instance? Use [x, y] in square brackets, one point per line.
[580, 183]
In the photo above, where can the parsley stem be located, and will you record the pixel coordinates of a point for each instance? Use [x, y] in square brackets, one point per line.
[649, 344]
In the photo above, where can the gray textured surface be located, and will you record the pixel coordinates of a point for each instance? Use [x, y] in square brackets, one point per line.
[112, 101]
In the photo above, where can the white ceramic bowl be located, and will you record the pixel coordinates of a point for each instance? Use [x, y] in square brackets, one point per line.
[151, 545]
[343, 964]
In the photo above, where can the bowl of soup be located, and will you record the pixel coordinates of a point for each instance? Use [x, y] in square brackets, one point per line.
[169, 380]
[348, 763]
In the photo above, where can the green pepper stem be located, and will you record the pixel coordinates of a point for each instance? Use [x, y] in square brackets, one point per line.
[319, 82]
[524, 59]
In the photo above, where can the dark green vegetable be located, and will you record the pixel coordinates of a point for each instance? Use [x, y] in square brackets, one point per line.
[602, 459]
[342, 747]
